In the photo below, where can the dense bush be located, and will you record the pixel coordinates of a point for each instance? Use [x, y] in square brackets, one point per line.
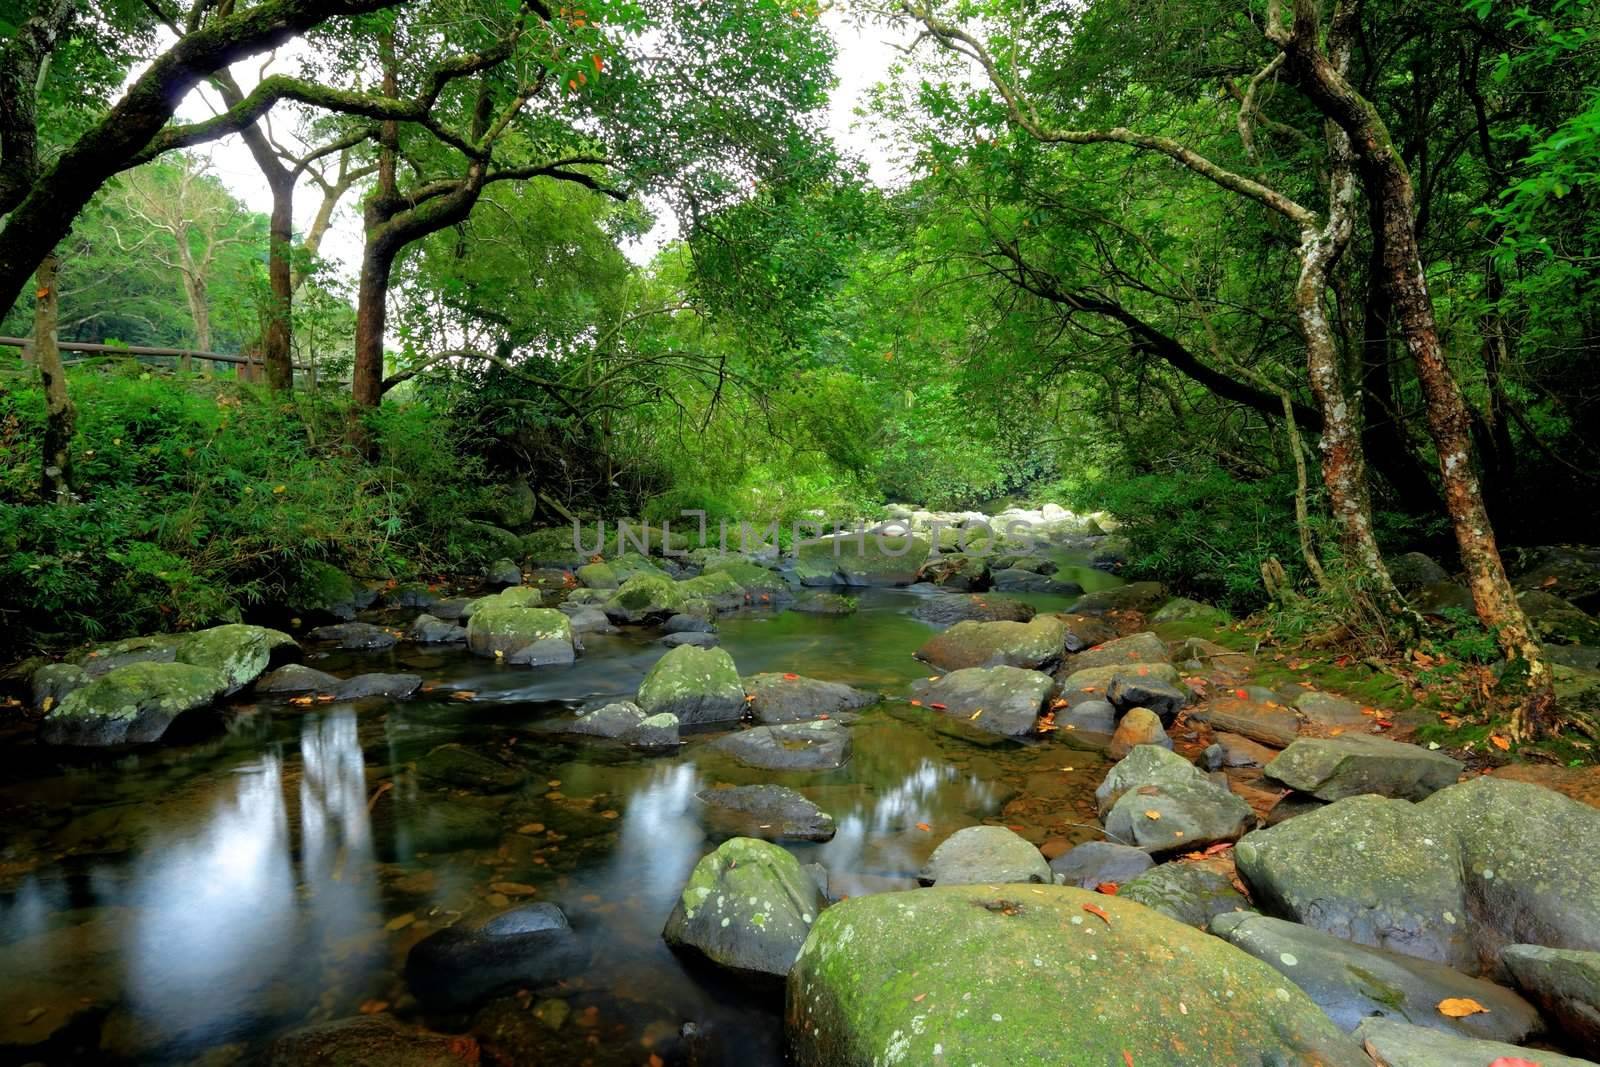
[199, 499]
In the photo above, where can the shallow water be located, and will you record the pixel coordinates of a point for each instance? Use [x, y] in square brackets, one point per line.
[189, 902]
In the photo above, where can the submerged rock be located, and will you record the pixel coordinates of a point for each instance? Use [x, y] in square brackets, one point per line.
[985, 854]
[392, 686]
[780, 698]
[355, 635]
[770, 812]
[824, 604]
[131, 705]
[998, 700]
[945, 608]
[1332, 768]
[805, 746]
[622, 721]
[526, 947]
[462, 768]
[1017, 580]
[748, 907]
[297, 678]
[698, 685]
[987, 974]
[1353, 982]
[368, 1041]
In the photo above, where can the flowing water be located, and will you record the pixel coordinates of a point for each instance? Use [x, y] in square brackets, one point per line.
[188, 902]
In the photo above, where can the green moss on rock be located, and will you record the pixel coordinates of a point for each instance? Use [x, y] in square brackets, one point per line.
[131, 705]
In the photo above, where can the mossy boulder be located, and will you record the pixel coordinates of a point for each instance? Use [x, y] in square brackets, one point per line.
[237, 651]
[753, 579]
[50, 683]
[631, 564]
[824, 604]
[1182, 609]
[1135, 596]
[1021, 974]
[778, 698]
[324, 591]
[598, 576]
[1156, 800]
[131, 705]
[488, 541]
[1332, 768]
[532, 637]
[977, 855]
[996, 700]
[956, 571]
[518, 596]
[644, 596]
[748, 906]
[717, 588]
[946, 608]
[1191, 891]
[1034, 645]
[891, 560]
[698, 685]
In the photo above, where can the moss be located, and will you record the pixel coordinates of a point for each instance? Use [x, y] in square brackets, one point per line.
[715, 586]
[322, 587]
[131, 704]
[237, 651]
[647, 593]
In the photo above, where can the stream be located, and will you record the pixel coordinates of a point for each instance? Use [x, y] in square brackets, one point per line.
[187, 902]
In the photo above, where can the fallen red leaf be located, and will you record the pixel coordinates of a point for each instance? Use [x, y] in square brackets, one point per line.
[916, 703]
[1127, 1057]
[791, 677]
[1108, 888]
[937, 707]
[1098, 912]
[924, 827]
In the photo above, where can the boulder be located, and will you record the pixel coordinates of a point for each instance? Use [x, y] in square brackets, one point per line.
[410, 595]
[1571, 572]
[486, 540]
[1086, 631]
[985, 854]
[369, 1041]
[1017, 580]
[1236, 751]
[698, 685]
[622, 721]
[688, 624]
[360, 636]
[1564, 983]
[464, 964]
[780, 698]
[587, 620]
[50, 684]
[392, 686]
[429, 630]
[656, 731]
[770, 812]
[324, 591]
[528, 637]
[1121, 652]
[1401, 1044]
[1326, 709]
[1266, 721]
[517, 596]
[1140, 726]
[1094, 863]
[643, 597]
[131, 705]
[1436, 598]
[998, 700]
[1191, 891]
[1163, 699]
[1098, 679]
[504, 572]
[237, 651]
[1135, 596]
[945, 608]
[1158, 801]
[1033, 645]
[748, 907]
[717, 588]
[1181, 609]
[694, 640]
[1036, 564]
[761, 584]
[297, 678]
[1353, 982]
[1455, 878]
[890, 559]
[1332, 768]
[987, 974]
[1558, 621]
[802, 746]
[1087, 716]
[1413, 570]
[955, 571]
[597, 576]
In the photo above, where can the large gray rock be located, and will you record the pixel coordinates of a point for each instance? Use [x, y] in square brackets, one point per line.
[1326, 709]
[769, 812]
[1158, 801]
[698, 685]
[1401, 1044]
[430, 630]
[378, 684]
[1165, 699]
[802, 746]
[869, 561]
[131, 705]
[1193, 892]
[237, 651]
[998, 700]
[1332, 768]
[1564, 983]
[51, 683]
[1122, 651]
[1455, 878]
[1034, 645]
[1266, 721]
[1095, 862]
[359, 636]
[1135, 596]
[988, 855]
[1353, 982]
[748, 907]
[1017, 580]
[526, 947]
[526, 637]
[297, 678]
[780, 698]
[622, 721]
[986, 974]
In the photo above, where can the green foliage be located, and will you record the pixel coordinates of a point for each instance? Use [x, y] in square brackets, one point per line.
[199, 501]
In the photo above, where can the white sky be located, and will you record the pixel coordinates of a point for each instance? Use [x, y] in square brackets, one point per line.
[864, 56]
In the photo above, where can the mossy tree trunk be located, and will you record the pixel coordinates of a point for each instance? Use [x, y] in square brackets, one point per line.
[60, 416]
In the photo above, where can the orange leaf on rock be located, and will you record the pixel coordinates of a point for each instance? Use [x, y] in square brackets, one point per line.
[924, 827]
[937, 707]
[1501, 742]
[1098, 912]
[1108, 888]
[916, 703]
[1460, 1007]
[791, 677]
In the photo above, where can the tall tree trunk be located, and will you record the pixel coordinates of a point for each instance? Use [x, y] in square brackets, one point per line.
[277, 337]
[59, 415]
[372, 296]
[1388, 184]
